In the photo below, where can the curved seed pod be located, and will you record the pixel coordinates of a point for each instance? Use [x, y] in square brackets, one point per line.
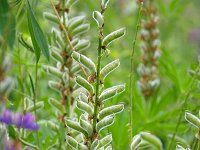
[83, 97]
[65, 78]
[192, 119]
[51, 17]
[53, 71]
[179, 147]
[111, 92]
[38, 106]
[94, 145]
[87, 126]
[109, 68]
[75, 22]
[75, 68]
[74, 42]
[109, 147]
[152, 139]
[57, 105]
[112, 110]
[53, 126]
[27, 102]
[135, 142]
[6, 86]
[104, 4]
[80, 30]
[55, 53]
[85, 107]
[69, 3]
[98, 18]
[113, 36]
[85, 84]
[71, 141]
[105, 141]
[85, 61]
[82, 44]
[82, 147]
[75, 125]
[105, 122]
[54, 85]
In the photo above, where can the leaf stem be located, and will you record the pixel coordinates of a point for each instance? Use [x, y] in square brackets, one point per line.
[131, 70]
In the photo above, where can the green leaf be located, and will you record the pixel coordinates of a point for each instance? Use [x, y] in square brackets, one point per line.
[38, 39]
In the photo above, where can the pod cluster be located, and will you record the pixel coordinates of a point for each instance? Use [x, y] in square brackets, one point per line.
[96, 115]
[150, 50]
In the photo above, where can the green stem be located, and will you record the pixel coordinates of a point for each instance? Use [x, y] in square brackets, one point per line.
[97, 84]
[131, 72]
[183, 108]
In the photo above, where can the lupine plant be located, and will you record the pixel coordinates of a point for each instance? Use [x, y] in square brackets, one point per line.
[96, 115]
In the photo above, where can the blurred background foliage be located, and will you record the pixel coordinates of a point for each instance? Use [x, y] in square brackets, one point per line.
[180, 37]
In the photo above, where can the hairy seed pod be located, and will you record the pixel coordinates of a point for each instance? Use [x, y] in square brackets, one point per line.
[109, 68]
[75, 22]
[83, 97]
[109, 147]
[113, 36]
[87, 126]
[51, 17]
[56, 55]
[105, 122]
[75, 125]
[65, 78]
[82, 147]
[85, 107]
[54, 85]
[72, 142]
[98, 18]
[152, 139]
[53, 126]
[111, 110]
[70, 3]
[105, 141]
[104, 4]
[38, 106]
[56, 104]
[192, 119]
[111, 92]
[179, 147]
[85, 84]
[94, 144]
[75, 68]
[135, 142]
[85, 61]
[80, 30]
[52, 71]
[82, 44]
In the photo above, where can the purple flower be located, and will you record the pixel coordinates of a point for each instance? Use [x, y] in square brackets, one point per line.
[7, 117]
[26, 121]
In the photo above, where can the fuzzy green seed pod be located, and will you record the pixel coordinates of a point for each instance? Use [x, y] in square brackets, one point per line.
[94, 144]
[105, 122]
[104, 4]
[53, 126]
[111, 92]
[85, 61]
[98, 18]
[192, 119]
[85, 84]
[75, 22]
[38, 106]
[135, 142]
[54, 85]
[80, 30]
[105, 141]
[75, 125]
[87, 126]
[51, 17]
[56, 104]
[82, 44]
[70, 3]
[113, 36]
[52, 71]
[82, 147]
[56, 55]
[109, 147]
[152, 139]
[83, 97]
[72, 142]
[109, 68]
[85, 107]
[65, 78]
[111, 110]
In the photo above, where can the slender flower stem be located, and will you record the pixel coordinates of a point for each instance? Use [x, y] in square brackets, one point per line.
[185, 102]
[97, 83]
[131, 71]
